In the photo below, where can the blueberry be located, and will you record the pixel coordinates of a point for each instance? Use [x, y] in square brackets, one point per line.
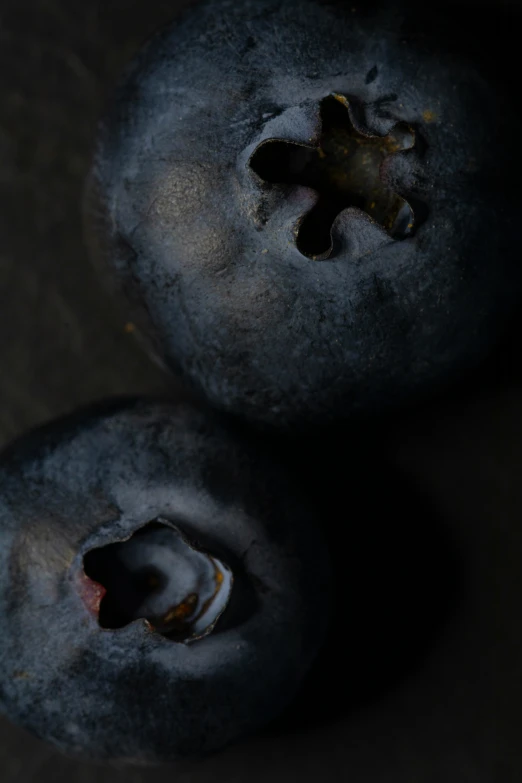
[313, 207]
[163, 588]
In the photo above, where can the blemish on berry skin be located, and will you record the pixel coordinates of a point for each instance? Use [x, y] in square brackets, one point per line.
[371, 75]
[429, 116]
[91, 593]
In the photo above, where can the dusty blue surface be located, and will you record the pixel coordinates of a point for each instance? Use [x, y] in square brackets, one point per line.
[459, 717]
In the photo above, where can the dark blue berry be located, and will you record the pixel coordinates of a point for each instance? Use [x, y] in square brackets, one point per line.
[314, 208]
[163, 589]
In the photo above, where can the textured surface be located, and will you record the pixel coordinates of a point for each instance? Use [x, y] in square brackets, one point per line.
[459, 720]
[208, 247]
[130, 693]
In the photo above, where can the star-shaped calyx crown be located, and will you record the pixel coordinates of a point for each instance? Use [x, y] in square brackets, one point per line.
[345, 170]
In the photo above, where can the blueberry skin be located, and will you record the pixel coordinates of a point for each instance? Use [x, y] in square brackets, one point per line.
[207, 251]
[132, 695]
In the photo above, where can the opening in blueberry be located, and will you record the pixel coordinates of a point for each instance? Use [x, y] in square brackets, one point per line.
[344, 170]
[159, 576]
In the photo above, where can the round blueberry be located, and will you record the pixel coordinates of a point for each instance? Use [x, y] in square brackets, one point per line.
[163, 588]
[314, 207]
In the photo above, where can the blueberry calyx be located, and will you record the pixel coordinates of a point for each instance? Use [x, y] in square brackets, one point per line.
[344, 170]
[160, 577]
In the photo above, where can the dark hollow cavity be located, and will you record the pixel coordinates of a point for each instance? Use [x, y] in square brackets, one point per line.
[159, 576]
[344, 170]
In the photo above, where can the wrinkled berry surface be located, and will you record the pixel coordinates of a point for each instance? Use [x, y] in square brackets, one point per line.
[313, 207]
[163, 589]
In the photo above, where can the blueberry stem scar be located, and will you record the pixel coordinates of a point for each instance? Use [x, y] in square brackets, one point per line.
[158, 576]
[344, 170]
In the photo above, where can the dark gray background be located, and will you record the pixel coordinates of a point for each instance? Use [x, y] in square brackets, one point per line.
[64, 343]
